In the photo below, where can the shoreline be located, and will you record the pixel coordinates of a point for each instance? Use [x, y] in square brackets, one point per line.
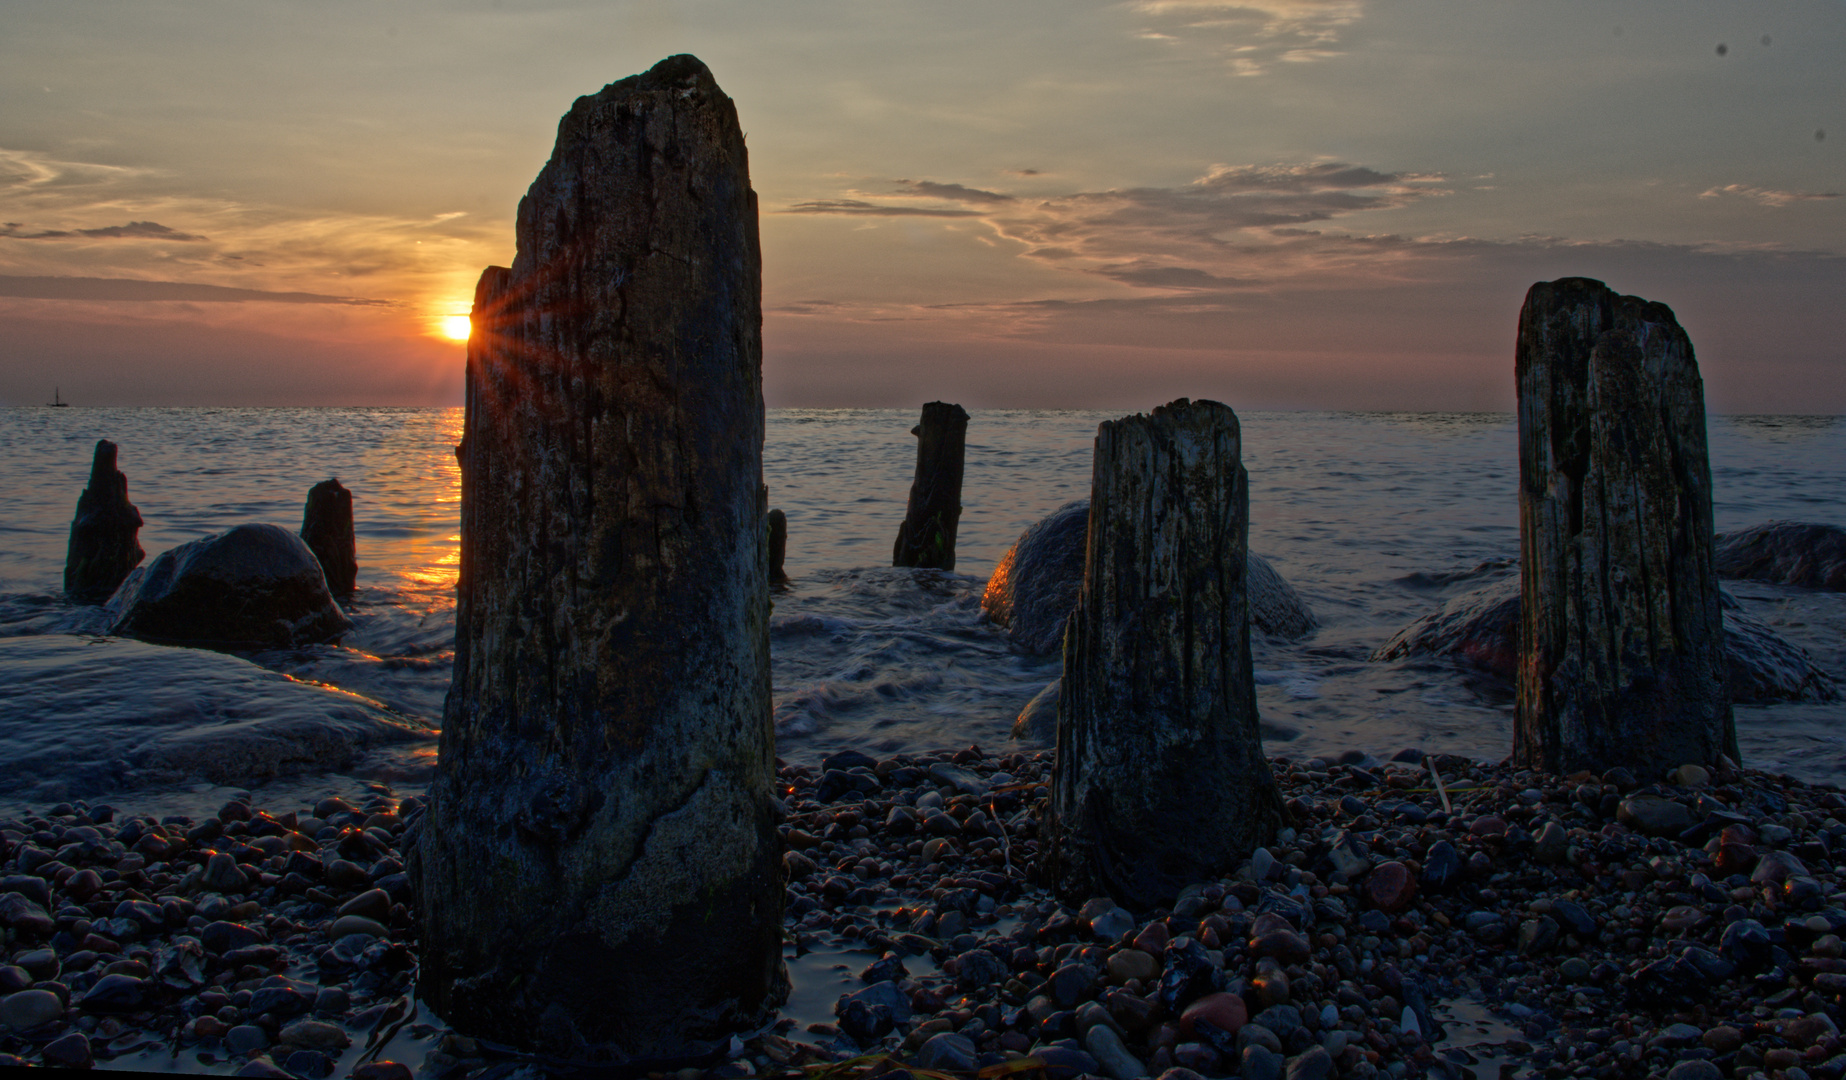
[1560, 926]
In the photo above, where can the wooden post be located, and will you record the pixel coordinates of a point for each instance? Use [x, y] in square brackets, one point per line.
[599, 871]
[927, 536]
[327, 526]
[1621, 633]
[778, 546]
[1160, 778]
[104, 544]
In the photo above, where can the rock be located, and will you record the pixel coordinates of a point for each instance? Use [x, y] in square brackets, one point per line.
[978, 968]
[1391, 886]
[1722, 1039]
[1261, 1063]
[1161, 779]
[224, 936]
[1034, 587]
[1777, 867]
[1107, 1048]
[222, 873]
[244, 1038]
[28, 1009]
[251, 587]
[1224, 1010]
[315, 1035]
[1132, 964]
[311, 1064]
[626, 651]
[70, 1051]
[347, 925]
[1315, 1064]
[103, 547]
[1283, 946]
[948, 1051]
[1480, 628]
[1694, 1070]
[1654, 815]
[1692, 776]
[927, 536]
[115, 993]
[1442, 867]
[371, 904]
[1551, 844]
[1622, 641]
[944, 774]
[1038, 721]
[1785, 553]
[327, 529]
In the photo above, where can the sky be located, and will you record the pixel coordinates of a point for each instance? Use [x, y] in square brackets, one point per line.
[1004, 203]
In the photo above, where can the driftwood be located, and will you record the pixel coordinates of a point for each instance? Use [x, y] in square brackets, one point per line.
[1622, 636]
[778, 546]
[599, 869]
[1160, 777]
[927, 536]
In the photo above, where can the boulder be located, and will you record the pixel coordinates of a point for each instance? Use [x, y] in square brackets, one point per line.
[1785, 553]
[253, 587]
[1481, 628]
[89, 715]
[1038, 721]
[1034, 586]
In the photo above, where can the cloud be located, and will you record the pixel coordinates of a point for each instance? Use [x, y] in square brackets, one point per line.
[1171, 277]
[1251, 36]
[1768, 196]
[22, 170]
[134, 230]
[116, 289]
[954, 192]
[861, 208]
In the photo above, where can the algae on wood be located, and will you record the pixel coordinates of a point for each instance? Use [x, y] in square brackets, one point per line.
[1160, 778]
[1622, 635]
[599, 869]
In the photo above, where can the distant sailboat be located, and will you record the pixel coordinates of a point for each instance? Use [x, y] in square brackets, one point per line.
[56, 402]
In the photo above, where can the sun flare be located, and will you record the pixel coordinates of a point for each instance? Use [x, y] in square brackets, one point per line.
[456, 327]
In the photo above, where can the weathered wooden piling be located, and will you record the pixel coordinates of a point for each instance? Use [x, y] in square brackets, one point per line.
[327, 526]
[927, 536]
[104, 544]
[1621, 634]
[1160, 778]
[599, 869]
[778, 546]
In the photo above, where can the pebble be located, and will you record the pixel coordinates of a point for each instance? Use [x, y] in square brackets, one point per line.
[30, 1009]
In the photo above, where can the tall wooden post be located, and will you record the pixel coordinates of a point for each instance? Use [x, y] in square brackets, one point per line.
[599, 869]
[1160, 779]
[104, 539]
[1621, 637]
[927, 536]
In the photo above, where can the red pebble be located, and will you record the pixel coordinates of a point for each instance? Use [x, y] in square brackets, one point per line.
[1391, 886]
[1223, 1010]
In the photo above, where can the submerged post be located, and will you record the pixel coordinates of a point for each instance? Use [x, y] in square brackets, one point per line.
[1160, 778]
[599, 869]
[327, 526]
[1621, 637]
[103, 544]
[927, 536]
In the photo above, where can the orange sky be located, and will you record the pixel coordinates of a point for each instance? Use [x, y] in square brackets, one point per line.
[1278, 203]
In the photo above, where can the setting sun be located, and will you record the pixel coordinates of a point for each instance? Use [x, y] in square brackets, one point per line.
[456, 327]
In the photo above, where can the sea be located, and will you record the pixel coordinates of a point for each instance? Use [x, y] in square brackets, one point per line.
[1375, 518]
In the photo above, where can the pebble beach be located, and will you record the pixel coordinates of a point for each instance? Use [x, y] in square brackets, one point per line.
[1422, 916]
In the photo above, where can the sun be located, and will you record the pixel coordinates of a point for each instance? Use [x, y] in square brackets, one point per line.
[456, 327]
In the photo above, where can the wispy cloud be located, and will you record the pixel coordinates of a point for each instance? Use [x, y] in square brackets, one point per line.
[131, 289]
[1252, 36]
[861, 208]
[134, 230]
[953, 192]
[1768, 196]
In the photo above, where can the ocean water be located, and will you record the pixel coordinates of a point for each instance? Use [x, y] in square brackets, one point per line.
[1375, 518]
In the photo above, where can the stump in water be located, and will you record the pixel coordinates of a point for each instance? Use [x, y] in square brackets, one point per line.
[1621, 632]
[1160, 779]
[599, 870]
[778, 546]
[927, 536]
[103, 541]
[327, 526]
